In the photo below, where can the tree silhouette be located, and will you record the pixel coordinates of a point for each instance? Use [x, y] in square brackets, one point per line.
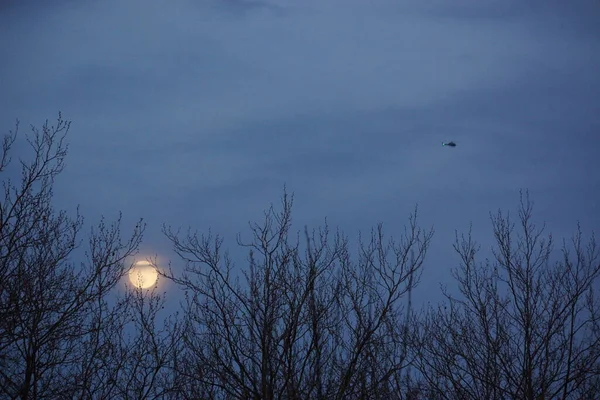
[59, 322]
[307, 315]
[523, 327]
[300, 321]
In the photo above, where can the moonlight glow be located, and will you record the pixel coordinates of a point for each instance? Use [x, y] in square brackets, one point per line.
[143, 275]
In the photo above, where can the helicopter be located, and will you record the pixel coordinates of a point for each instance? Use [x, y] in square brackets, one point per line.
[451, 144]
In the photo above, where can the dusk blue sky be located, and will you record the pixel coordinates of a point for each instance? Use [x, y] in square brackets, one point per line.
[196, 113]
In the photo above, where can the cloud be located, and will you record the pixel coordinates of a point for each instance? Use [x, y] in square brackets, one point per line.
[197, 112]
[264, 65]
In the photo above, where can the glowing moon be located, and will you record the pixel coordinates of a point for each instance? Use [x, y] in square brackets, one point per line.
[143, 275]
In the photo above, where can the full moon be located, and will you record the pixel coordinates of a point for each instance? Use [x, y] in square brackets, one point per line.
[143, 275]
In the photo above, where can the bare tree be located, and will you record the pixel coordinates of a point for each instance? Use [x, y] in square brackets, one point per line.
[308, 316]
[146, 351]
[60, 322]
[522, 327]
[305, 319]
[301, 321]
